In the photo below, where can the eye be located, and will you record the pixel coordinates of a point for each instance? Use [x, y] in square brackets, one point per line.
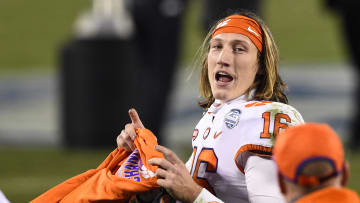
[216, 46]
[239, 49]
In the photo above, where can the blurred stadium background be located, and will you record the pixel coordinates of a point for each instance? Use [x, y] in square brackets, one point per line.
[313, 62]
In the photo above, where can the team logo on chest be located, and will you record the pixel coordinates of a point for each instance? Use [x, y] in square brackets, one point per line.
[232, 118]
[206, 133]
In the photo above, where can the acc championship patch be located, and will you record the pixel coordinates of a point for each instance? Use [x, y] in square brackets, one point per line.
[232, 118]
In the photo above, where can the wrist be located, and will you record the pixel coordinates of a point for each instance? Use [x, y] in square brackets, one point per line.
[196, 191]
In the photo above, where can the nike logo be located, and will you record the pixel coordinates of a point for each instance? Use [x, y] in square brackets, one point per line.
[253, 31]
[223, 23]
[217, 134]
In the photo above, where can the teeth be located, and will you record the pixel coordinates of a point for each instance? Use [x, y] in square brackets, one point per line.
[222, 73]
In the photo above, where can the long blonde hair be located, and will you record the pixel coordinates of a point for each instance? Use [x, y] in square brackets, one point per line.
[268, 83]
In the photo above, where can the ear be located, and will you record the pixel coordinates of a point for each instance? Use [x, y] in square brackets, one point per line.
[346, 173]
[281, 184]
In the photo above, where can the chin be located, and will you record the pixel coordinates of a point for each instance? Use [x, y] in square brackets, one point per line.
[223, 96]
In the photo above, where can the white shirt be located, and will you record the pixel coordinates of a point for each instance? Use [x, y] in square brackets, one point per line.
[224, 144]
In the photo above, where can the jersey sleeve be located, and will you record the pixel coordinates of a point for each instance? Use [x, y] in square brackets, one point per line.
[3, 199]
[261, 176]
[258, 126]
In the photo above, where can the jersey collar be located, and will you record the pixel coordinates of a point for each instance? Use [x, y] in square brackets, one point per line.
[218, 104]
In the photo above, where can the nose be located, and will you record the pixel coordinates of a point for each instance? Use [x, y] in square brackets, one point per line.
[225, 57]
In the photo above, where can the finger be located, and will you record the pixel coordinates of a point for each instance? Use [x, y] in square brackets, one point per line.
[163, 183]
[161, 173]
[120, 143]
[130, 135]
[127, 140]
[162, 163]
[135, 119]
[129, 143]
[130, 130]
[169, 155]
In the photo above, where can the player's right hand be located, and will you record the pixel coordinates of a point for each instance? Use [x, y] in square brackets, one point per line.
[128, 134]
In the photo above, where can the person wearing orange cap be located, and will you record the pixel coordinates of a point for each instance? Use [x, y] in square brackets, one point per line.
[311, 165]
[245, 108]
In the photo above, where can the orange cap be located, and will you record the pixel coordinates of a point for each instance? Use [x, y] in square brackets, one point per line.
[298, 145]
[242, 25]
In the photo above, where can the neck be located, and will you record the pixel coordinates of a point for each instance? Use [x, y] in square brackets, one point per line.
[295, 192]
[246, 97]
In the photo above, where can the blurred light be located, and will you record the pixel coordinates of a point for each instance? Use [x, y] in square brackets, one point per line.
[107, 18]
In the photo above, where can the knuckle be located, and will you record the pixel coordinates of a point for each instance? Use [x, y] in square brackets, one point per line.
[161, 161]
[128, 138]
[158, 172]
[127, 142]
[128, 125]
[123, 136]
[119, 140]
[172, 176]
[168, 153]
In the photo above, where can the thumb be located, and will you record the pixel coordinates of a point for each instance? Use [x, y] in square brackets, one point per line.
[135, 120]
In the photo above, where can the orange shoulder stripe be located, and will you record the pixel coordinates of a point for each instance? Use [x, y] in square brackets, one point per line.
[255, 149]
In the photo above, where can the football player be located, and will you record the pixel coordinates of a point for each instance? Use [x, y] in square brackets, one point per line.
[245, 109]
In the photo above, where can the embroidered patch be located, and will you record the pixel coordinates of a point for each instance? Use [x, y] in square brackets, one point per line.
[232, 118]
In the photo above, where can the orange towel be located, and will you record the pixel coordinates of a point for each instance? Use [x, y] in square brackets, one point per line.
[119, 177]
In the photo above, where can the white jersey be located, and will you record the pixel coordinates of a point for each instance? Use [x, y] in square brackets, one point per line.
[3, 199]
[226, 133]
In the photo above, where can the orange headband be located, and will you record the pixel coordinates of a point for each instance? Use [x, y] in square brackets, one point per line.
[242, 25]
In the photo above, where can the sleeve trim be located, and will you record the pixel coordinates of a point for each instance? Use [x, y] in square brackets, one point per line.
[255, 149]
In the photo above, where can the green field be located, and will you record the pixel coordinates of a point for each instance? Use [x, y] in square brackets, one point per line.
[26, 173]
[31, 32]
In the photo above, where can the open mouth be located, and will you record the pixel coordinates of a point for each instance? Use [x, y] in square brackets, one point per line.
[223, 77]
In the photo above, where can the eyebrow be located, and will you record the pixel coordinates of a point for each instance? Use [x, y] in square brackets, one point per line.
[235, 41]
[243, 42]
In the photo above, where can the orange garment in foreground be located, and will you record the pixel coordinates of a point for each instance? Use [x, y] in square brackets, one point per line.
[330, 195]
[119, 177]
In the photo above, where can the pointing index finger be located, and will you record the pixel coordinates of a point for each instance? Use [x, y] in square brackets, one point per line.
[134, 116]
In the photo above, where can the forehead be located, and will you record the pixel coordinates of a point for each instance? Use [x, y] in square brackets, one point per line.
[229, 37]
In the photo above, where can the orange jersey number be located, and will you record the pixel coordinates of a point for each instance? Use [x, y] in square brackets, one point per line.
[277, 124]
[206, 163]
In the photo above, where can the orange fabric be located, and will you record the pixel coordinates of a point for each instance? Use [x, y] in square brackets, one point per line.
[331, 195]
[115, 179]
[298, 145]
[241, 25]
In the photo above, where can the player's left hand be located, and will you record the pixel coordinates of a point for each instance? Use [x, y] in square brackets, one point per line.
[173, 175]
